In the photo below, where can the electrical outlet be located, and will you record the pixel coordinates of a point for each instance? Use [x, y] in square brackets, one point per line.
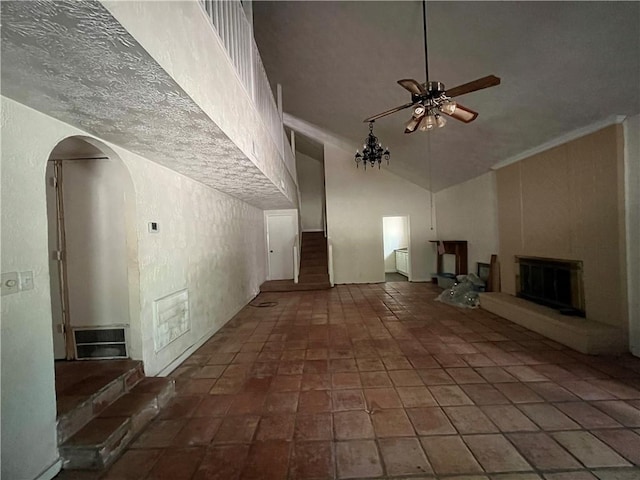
[10, 283]
[26, 280]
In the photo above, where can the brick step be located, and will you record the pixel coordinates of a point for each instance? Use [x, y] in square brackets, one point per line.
[82, 402]
[103, 439]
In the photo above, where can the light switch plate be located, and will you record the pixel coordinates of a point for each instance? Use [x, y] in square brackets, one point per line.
[26, 280]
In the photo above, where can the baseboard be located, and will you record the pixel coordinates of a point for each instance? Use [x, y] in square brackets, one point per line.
[189, 351]
[51, 471]
[313, 230]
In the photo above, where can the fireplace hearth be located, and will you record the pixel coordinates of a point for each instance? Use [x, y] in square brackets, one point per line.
[551, 282]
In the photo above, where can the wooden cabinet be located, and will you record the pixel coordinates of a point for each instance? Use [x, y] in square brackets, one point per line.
[402, 261]
[453, 247]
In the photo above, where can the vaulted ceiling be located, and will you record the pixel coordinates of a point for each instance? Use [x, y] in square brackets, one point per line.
[563, 65]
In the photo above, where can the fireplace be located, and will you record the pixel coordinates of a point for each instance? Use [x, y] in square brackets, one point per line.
[552, 282]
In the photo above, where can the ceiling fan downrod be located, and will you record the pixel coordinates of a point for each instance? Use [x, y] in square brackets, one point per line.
[424, 29]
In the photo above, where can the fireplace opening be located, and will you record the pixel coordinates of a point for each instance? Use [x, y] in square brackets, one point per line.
[551, 282]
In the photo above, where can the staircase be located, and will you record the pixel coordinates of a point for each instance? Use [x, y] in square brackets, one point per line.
[313, 267]
[102, 406]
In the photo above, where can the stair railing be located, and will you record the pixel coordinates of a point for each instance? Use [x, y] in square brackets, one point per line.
[330, 259]
[296, 259]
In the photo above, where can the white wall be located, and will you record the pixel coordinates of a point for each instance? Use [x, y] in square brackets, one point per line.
[469, 211]
[96, 250]
[209, 243]
[196, 59]
[395, 231]
[632, 204]
[356, 202]
[311, 185]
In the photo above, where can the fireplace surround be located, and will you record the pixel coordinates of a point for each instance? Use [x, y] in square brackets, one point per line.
[552, 282]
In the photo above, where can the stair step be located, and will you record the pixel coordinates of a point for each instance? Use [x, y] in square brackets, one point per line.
[289, 286]
[96, 445]
[314, 254]
[312, 270]
[104, 438]
[97, 392]
[317, 262]
[313, 278]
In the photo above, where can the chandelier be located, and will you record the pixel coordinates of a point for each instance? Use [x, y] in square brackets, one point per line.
[372, 151]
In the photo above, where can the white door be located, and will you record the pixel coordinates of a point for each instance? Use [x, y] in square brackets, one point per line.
[281, 233]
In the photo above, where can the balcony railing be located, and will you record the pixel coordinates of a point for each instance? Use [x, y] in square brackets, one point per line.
[236, 34]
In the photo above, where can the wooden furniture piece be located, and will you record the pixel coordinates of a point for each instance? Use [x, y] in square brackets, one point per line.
[454, 247]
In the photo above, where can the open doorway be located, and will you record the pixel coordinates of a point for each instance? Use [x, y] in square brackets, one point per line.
[90, 251]
[396, 248]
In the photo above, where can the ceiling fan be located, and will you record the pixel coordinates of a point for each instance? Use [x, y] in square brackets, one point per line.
[430, 100]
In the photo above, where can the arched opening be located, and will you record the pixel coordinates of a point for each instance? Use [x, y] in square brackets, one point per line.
[93, 252]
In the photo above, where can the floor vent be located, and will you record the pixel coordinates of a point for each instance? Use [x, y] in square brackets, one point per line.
[100, 343]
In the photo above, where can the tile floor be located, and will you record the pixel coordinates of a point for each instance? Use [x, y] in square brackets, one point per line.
[381, 381]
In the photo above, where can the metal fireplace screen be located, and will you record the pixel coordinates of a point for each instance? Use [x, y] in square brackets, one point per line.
[552, 282]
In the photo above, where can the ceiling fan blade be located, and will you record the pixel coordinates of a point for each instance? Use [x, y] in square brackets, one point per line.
[479, 84]
[413, 86]
[388, 112]
[463, 114]
[412, 124]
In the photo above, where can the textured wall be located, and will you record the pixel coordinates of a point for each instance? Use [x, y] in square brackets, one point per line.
[75, 62]
[469, 211]
[210, 243]
[568, 203]
[196, 60]
[356, 202]
[632, 208]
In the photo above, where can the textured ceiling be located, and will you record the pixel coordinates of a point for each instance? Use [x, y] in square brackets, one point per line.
[564, 65]
[75, 62]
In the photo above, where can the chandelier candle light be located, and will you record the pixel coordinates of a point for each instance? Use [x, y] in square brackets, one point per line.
[372, 151]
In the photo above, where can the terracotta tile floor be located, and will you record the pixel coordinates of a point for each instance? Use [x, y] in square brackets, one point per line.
[381, 381]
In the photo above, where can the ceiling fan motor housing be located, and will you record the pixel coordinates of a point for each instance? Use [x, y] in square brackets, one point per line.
[434, 89]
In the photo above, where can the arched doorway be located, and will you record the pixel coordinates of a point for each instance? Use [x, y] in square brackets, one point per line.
[93, 251]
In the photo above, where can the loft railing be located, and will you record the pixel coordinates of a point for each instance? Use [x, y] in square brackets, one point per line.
[236, 34]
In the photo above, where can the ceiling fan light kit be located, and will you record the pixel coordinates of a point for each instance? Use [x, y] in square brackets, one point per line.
[430, 100]
[372, 151]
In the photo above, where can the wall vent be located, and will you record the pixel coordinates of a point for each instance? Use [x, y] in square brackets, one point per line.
[170, 318]
[100, 343]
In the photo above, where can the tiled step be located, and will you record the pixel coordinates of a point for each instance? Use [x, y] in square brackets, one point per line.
[92, 395]
[104, 438]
